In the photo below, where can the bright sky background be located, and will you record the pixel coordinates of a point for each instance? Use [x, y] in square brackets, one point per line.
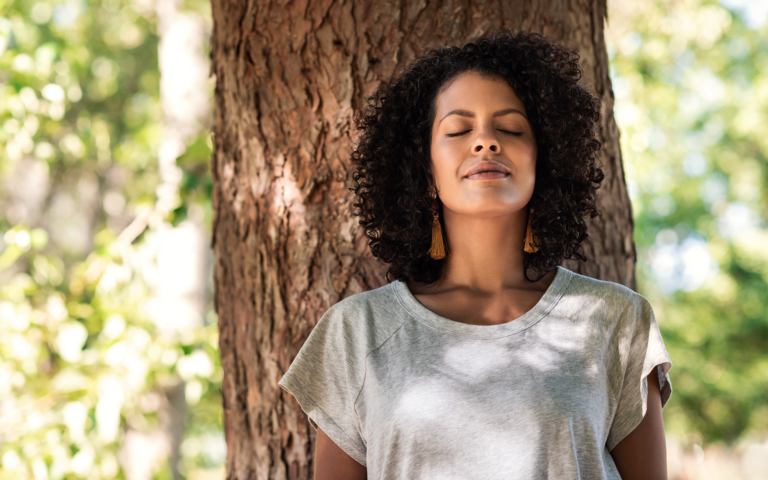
[753, 12]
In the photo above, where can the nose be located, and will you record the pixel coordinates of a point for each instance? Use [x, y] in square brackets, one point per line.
[486, 141]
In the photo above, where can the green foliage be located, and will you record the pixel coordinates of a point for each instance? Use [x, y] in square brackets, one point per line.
[196, 183]
[80, 359]
[691, 88]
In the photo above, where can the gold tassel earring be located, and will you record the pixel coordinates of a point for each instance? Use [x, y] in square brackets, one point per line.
[529, 238]
[437, 250]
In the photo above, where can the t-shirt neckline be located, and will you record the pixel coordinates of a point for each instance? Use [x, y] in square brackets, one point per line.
[545, 304]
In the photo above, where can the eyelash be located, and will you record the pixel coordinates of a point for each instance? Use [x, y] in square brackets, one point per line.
[516, 134]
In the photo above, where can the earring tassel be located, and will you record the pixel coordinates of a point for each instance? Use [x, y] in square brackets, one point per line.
[529, 239]
[437, 251]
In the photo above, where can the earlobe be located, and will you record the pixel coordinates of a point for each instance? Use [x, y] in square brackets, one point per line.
[431, 180]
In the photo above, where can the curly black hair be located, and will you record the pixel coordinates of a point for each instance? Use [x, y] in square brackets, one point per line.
[392, 155]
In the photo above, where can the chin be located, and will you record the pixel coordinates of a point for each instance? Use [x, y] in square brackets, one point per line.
[488, 202]
[488, 211]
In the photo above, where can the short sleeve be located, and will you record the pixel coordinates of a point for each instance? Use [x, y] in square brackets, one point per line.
[642, 351]
[326, 378]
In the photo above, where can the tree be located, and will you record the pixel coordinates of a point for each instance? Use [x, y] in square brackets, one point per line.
[286, 247]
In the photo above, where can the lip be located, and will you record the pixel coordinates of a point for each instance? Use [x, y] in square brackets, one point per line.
[490, 167]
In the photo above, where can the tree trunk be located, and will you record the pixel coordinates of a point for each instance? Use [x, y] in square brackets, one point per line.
[288, 77]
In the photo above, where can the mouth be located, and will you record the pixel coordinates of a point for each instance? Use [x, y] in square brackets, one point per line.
[487, 171]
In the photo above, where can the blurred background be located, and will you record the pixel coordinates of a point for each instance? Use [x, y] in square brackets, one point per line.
[108, 345]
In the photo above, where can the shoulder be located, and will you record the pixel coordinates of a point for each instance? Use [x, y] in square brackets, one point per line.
[606, 307]
[346, 333]
[366, 319]
[603, 293]
[378, 298]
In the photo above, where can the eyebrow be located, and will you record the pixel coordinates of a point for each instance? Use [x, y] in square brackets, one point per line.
[468, 114]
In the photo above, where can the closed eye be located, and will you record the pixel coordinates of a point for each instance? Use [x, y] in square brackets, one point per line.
[516, 134]
[457, 134]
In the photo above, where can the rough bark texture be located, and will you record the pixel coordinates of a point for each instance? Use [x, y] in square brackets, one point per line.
[289, 75]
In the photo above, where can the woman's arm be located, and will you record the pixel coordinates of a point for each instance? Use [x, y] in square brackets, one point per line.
[642, 455]
[333, 463]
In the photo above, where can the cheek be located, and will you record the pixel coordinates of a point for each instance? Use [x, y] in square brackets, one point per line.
[441, 151]
[524, 156]
[526, 153]
[442, 160]
[527, 149]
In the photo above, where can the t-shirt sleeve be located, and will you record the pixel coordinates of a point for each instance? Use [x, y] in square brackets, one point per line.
[641, 351]
[326, 378]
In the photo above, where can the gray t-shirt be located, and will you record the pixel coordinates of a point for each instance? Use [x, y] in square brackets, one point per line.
[413, 395]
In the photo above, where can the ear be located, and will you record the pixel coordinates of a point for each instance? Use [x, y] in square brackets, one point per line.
[433, 184]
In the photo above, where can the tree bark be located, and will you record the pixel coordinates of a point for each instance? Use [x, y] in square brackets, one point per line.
[289, 76]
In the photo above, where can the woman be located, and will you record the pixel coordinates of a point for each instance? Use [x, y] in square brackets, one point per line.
[476, 167]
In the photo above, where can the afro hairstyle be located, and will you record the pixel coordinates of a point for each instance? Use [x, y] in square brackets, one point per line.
[391, 158]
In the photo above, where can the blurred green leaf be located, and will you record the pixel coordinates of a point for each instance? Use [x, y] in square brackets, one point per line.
[80, 121]
[690, 92]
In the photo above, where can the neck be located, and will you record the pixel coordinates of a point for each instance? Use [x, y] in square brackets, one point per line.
[485, 253]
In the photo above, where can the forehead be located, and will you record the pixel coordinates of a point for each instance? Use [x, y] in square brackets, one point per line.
[473, 91]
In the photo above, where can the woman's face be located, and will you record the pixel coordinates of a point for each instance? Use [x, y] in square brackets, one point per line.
[483, 148]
